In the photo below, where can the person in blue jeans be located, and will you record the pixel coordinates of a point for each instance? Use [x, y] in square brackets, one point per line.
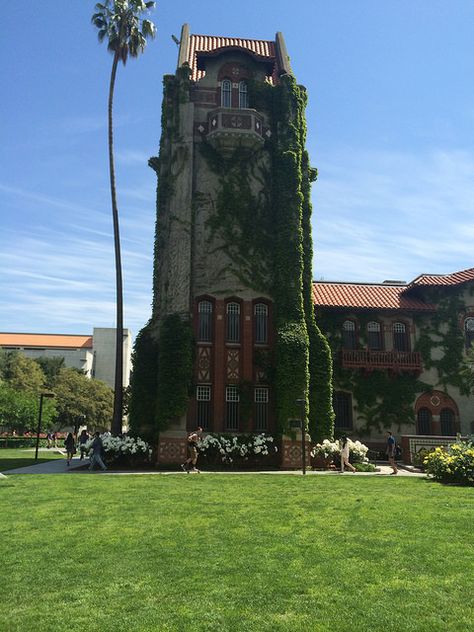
[391, 452]
[97, 450]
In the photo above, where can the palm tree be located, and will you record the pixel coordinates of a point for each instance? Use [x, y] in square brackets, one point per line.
[121, 22]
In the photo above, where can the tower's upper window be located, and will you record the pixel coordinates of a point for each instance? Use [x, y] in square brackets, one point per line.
[205, 321]
[243, 95]
[226, 93]
[261, 323]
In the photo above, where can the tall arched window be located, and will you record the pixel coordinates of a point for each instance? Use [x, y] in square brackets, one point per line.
[374, 335]
[226, 93]
[423, 421]
[469, 331]
[243, 95]
[400, 337]
[204, 321]
[261, 322]
[349, 340]
[446, 418]
[233, 322]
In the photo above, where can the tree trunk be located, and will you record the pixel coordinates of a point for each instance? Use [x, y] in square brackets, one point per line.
[118, 389]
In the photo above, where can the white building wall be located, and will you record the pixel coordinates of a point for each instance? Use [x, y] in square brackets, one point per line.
[104, 355]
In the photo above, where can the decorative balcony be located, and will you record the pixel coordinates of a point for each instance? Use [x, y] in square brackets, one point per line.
[369, 360]
[229, 128]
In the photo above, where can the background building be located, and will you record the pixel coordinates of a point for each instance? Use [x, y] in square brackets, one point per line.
[94, 355]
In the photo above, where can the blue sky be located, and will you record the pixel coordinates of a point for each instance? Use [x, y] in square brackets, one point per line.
[390, 129]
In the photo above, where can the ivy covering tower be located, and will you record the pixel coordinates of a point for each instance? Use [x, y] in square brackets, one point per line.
[232, 342]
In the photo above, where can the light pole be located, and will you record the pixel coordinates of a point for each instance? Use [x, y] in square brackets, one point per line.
[302, 403]
[38, 430]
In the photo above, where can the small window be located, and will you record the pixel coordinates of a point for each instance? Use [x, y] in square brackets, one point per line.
[233, 322]
[446, 418]
[261, 408]
[226, 93]
[342, 404]
[205, 321]
[374, 336]
[243, 95]
[232, 398]
[469, 331]
[400, 337]
[349, 340]
[261, 323]
[423, 425]
[203, 397]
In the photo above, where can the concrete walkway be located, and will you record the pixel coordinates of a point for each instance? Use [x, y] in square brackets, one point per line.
[59, 466]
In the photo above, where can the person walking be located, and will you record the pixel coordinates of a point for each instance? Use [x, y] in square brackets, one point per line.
[193, 440]
[97, 450]
[83, 439]
[49, 440]
[391, 452]
[344, 444]
[70, 446]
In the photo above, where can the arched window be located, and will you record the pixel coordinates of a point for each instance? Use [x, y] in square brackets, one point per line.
[400, 337]
[374, 335]
[226, 93]
[423, 421]
[469, 331]
[233, 322]
[446, 418]
[349, 340]
[261, 323]
[204, 321]
[243, 95]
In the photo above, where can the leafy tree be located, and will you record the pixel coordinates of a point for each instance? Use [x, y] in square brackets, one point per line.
[19, 409]
[21, 373]
[51, 367]
[80, 399]
[121, 22]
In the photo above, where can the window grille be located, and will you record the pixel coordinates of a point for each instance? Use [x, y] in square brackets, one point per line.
[243, 95]
[374, 337]
[261, 408]
[232, 398]
[203, 397]
[261, 323]
[342, 404]
[469, 331]
[205, 321]
[400, 337]
[349, 340]
[446, 418]
[233, 322]
[423, 419]
[226, 93]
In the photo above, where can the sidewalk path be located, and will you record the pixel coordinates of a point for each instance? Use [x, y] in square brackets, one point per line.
[55, 466]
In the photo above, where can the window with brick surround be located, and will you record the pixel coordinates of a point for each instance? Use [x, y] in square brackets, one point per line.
[261, 323]
[261, 408]
[423, 421]
[342, 404]
[233, 322]
[400, 337]
[446, 418]
[226, 93]
[232, 408]
[349, 336]
[203, 398]
[374, 335]
[243, 95]
[204, 321]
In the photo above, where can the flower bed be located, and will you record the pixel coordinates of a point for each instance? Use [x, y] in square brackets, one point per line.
[127, 451]
[454, 464]
[328, 452]
[247, 451]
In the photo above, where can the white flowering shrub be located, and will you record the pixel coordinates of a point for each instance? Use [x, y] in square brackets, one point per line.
[230, 449]
[122, 448]
[332, 450]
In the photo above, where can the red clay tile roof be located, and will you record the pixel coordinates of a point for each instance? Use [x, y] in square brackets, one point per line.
[456, 278]
[62, 341]
[209, 43]
[365, 295]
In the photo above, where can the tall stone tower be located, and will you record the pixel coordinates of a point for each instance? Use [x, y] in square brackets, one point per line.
[232, 343]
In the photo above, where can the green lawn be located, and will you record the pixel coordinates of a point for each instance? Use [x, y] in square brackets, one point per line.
[234, 553]
[22, 457]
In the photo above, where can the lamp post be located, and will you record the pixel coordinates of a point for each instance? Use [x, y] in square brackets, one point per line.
[302, 403]
[38, 430]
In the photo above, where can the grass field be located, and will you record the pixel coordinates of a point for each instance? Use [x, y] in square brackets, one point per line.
[234, 553]
[22, 457]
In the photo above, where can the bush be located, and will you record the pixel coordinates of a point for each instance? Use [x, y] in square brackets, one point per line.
[365, 467]
[128, 451]
[454, 464]
[332, 450]
[420, 456]
[237, 451]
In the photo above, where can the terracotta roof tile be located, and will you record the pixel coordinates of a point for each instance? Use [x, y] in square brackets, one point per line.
[365, 295]
[456, 278]
[209, 43]
[62, 341]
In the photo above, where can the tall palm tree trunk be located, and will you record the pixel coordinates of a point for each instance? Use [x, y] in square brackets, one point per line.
[118, 393]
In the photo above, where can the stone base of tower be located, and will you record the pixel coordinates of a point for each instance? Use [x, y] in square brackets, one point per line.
[172, 448]
[292, 454]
